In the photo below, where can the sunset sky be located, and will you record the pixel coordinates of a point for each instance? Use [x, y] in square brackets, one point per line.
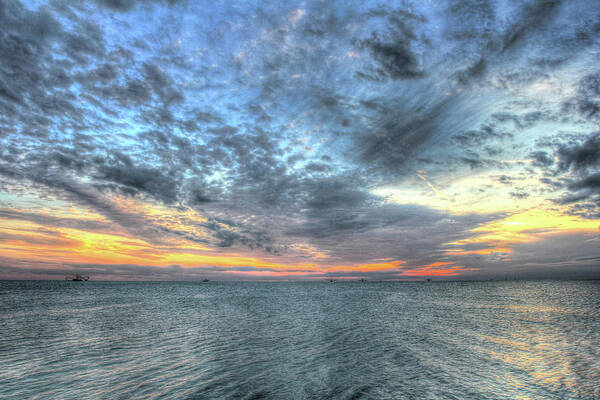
[182, 140]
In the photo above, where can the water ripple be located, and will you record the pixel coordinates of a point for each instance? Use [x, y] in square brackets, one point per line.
[480, 340]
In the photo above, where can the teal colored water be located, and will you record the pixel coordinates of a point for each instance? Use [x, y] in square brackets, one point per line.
[478, 340]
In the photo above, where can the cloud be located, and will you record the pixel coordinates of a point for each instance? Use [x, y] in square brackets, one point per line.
[99, 272]
[532, 17]
[395, 58]
[52, 221]
[575, 173]
[135, 180]
[591, 182]
[474, 71]
[541, 159]
[274, 126]
[126, 5]
[580, 155]
[229, 233]
[588, 94]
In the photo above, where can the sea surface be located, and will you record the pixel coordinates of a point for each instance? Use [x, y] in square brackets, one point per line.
[342, 340]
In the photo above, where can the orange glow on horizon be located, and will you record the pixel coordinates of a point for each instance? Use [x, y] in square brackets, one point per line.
[441, 268]
[103, 242]
[367, 267]
[61, 245]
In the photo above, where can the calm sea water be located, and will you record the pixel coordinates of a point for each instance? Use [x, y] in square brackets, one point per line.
[486, 340]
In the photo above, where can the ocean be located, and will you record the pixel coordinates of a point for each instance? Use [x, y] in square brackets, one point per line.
[321, 340]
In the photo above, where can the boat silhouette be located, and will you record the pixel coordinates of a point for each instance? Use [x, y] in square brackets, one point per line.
[77, 278]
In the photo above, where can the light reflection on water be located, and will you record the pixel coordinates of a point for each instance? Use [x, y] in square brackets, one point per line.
[479, 340]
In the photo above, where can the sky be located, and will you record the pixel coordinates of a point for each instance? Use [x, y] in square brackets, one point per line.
[300, 140]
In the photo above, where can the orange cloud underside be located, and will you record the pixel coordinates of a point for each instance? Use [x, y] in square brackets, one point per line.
[26, 240]
[444, 268]
[367, 267]
[74, 246]
[22, 239]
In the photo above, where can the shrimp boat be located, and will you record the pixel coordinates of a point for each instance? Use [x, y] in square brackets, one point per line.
[77, 278]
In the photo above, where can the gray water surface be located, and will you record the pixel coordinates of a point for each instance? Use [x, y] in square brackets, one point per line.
[461, 340]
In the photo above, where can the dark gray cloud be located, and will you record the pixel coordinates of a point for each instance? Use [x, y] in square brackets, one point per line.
[579, 156]
[337, 222]
[126, 5]
[396, 59]
[472, 72]
[394, 49]
[587, 100]
[589, 182]
[541, 159]
[576, 171]
[132, 179]
[229, 233]
[532, 17]
[394, 138]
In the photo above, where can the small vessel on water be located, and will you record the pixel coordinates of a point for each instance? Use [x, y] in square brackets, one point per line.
[77, 278]
[205, 280]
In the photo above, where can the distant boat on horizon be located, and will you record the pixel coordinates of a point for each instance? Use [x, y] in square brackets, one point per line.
[205, 280]
[77, 278]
